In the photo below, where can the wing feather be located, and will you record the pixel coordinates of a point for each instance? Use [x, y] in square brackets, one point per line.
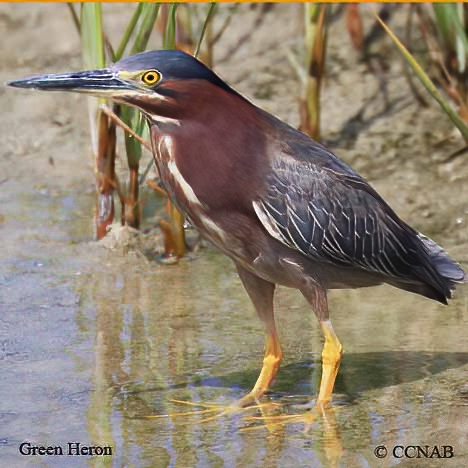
[334, 216]
[314, 203]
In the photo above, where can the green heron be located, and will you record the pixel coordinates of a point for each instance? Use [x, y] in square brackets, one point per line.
[282, 206]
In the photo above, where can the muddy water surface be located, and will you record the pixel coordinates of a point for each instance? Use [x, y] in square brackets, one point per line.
[94, 344]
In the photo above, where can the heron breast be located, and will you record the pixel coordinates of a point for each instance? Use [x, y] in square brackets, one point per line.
[171, 175]
[182, 191]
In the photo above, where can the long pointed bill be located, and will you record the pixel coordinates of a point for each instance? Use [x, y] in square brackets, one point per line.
[104, 82]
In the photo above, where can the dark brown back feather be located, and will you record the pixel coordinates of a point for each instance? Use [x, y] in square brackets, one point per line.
[319, 206]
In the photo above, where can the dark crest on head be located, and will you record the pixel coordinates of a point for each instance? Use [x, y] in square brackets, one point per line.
[173, 65]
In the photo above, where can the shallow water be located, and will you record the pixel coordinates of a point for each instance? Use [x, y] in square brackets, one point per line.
[94, 344]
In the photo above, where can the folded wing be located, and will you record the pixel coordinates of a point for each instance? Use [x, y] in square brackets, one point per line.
[335, 216]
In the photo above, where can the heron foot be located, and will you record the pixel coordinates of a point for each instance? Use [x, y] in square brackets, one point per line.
[211, 411]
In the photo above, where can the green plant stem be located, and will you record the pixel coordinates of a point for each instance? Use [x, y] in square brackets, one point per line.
[169, 38]
[428, 84]
[316, 39]
[128, 33]
[103, 131]
[149, 14]
[208, 18]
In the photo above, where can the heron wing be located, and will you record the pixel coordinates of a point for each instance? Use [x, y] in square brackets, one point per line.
[316, 204]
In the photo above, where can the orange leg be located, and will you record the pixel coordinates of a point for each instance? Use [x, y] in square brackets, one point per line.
[261, 293]
[267, 374]
[331, 357]
[332, 349]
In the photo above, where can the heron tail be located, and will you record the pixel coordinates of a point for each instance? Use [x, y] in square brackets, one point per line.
[447, 273]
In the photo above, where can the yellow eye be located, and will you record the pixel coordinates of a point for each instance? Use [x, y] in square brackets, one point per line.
[151, 77]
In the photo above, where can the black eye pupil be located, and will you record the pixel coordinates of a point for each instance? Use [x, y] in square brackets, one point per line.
[150, 78]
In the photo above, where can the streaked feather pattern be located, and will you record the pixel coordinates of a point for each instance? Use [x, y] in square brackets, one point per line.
[316, 204]
[321, 217]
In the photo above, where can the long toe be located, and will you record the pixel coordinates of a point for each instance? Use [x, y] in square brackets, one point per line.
[205, 412]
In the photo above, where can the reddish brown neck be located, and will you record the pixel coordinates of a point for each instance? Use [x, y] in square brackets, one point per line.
[218, 143]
